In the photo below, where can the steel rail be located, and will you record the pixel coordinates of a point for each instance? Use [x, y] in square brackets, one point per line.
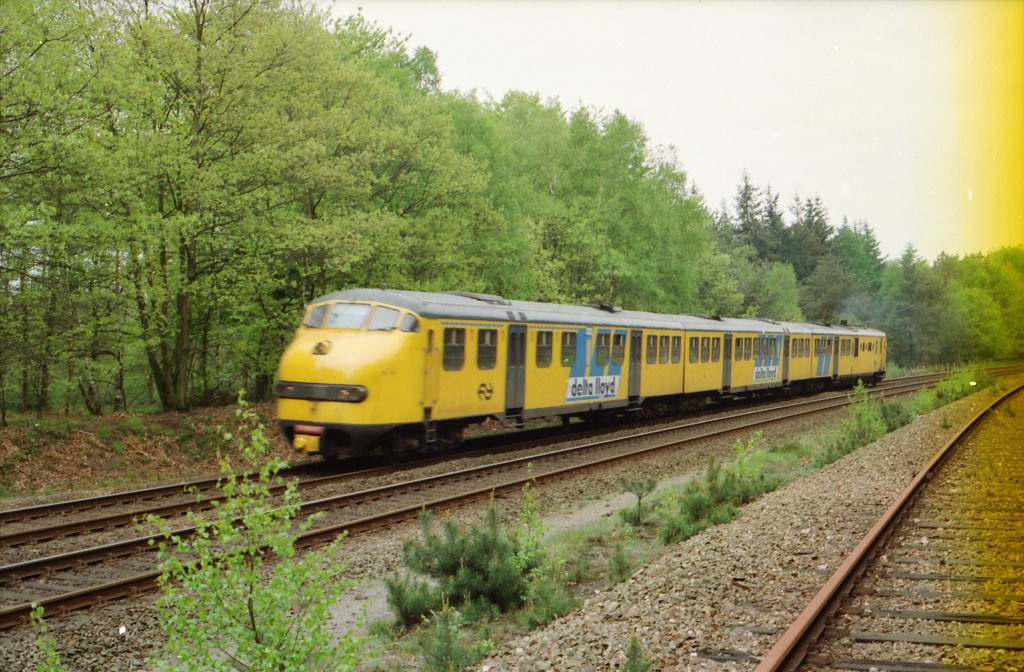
[791, 649]
[96, 523]
[10, 516]
[76, 599]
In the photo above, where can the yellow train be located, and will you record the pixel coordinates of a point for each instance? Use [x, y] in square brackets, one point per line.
[375, 369]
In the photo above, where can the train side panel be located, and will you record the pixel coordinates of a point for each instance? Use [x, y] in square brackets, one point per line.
[470, 360]
[575, 368]
[757, 361]
[704, 361]
[662, 363]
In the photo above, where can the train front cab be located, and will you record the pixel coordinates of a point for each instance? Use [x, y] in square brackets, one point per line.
[352, 373]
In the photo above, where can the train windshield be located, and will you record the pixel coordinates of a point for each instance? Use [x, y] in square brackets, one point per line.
[315, 317]
[347, 315]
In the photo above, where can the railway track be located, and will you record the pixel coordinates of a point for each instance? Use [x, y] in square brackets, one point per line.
[38, 525]
[937, 584]
[83, 577]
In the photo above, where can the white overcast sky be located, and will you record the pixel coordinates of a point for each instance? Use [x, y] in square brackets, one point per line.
[849, 101]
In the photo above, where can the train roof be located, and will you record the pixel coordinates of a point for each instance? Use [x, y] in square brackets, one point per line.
[473, 306]
[470, 306]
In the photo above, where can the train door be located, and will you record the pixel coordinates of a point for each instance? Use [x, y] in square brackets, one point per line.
[636, 346]
[430, 374]
[515, 376]
[835, 356]
[785, 359]
[727, 362]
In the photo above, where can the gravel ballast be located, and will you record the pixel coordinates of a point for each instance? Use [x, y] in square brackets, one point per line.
[722, 599]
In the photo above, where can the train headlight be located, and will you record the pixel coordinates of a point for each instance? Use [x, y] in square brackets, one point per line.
[320, 391]
[352, 393]
[322, 348]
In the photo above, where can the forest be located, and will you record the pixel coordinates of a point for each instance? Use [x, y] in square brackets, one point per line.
[178, 178]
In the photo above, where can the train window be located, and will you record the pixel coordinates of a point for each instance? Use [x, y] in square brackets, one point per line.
[487, 349]
[347, 315]
[603, 347]
[652, 349]
[694, 349]
[454, 349]
[747, 354]
[757, 347]
[807, 347]
[705, 348]
[716, 349]
[618, 349]
[817, 347]
[739, 349]
[410, 323]
[568, 348]
[383, 319]
[315, 317]
[663, 349]
[773, 349]
[677, 349]
[543, 349]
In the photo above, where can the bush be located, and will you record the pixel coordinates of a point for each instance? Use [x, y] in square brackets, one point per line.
[234, 595]
[619, 566]
[466, 564]
[924, 401]
[132, 425]
[443, 645]
[962, 384]
[635, 659]
[45, 645]
[896, 414]
[641, 488]
[864, 425]
[715, 499]
[548, 598]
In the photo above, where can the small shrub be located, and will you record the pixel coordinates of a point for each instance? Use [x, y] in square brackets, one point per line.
[636, 661]
[893, 370]
[863, 425]
[549, 598]
[896, 414]
[132, 425]
[410, 600]
[467, 564]
[924, 401]
[223, 606]
[44, 643]
[945, 423]
[641, 488]
[963, 383]
[56, 428]
[105, 433]
[619, 566]
[117, 447]
[443, 646]
[715, 499]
